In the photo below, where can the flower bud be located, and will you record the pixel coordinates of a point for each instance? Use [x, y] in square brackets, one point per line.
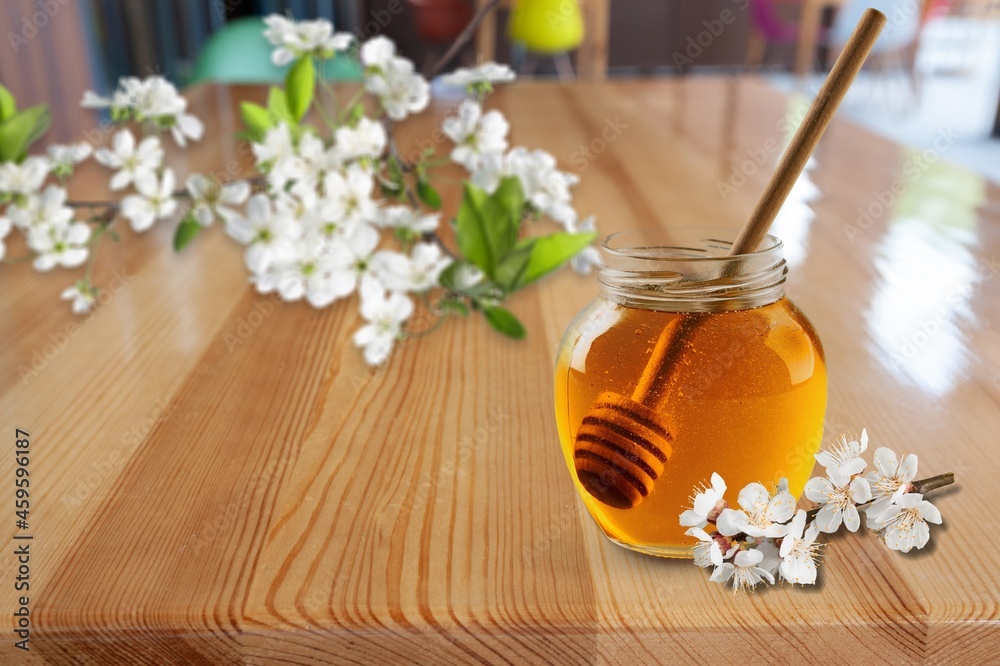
[713, 515]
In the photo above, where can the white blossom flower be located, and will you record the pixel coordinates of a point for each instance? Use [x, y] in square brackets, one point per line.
[839, 496]
[154, 201]
[468, 276]
[589, 258]
[400, 90]
[404, 217]
[488, 172]
[267, 235]
[903, 526]
[59, 245]
[351, 194]
[377, 52]
[81, 295]
[91, 100]
[130, 162]
[772, 559]
[385, 316]
[42, 210]
[799, 551]
[706, 505]
[488, 72]
[888, 479]
[303, 269]
[313, 154]
[4, 230]
[210, 199]
[761, 514]
[294, 39]
[475, 134]
[745, 570]
[366, 139]
[25, 178]
[157, 100]
[417, 272]
[708, 551]
[844, 458]
[543, 184]
[351, 259]
[65, 157]
[276, 146]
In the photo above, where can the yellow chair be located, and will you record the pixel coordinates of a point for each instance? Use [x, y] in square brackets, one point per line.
[552, 28]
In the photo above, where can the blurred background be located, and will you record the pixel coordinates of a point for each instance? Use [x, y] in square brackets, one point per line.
[937, 65]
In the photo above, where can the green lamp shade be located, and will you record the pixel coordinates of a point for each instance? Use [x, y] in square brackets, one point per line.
[239, 53]
[546, 26]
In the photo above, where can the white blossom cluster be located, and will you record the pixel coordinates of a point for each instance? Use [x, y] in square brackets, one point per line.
[481, 148]
[152, 100]
[317, 224]
[37, 209]
[766, 538]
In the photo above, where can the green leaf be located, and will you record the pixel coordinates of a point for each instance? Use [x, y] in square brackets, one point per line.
[258, 119]
[428, 194]
[277, 103]
[8, 106]
[300, 84]
[22, 129]
[472, 230]
[511, 198]
[42, 120]
[447, 277]
[550, 252]
[504, 321]
[512, 267]
[186, 231]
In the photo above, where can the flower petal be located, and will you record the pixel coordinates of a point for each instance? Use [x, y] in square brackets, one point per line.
[731, 522]
[852, 521]
[861, 492]
[828, 519]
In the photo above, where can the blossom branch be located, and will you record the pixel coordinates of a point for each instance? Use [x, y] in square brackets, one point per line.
[920, 486]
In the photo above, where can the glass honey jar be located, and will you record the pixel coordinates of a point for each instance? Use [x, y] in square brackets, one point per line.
[689, 362]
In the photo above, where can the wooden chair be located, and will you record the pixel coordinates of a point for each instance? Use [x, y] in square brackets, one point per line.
[591, 57]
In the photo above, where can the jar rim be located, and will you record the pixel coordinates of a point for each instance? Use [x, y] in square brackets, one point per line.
[689, 270]
[710, 237]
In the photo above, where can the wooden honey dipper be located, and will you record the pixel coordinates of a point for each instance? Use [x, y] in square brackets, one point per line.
[624, 442]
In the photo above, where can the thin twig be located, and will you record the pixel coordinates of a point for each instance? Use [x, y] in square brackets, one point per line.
[463, 38]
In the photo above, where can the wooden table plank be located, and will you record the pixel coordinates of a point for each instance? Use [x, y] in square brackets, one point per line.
[216, 486]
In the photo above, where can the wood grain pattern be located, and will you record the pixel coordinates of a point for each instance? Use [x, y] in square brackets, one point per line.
[219, 479]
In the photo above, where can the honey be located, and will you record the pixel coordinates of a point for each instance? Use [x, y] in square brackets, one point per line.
[744, 395]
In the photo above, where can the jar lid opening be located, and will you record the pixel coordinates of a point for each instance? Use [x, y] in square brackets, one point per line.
[689, 270]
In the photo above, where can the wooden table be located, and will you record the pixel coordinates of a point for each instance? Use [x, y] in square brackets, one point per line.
[217, 478]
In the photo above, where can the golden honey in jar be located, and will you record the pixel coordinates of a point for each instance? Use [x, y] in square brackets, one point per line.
[690, 362]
